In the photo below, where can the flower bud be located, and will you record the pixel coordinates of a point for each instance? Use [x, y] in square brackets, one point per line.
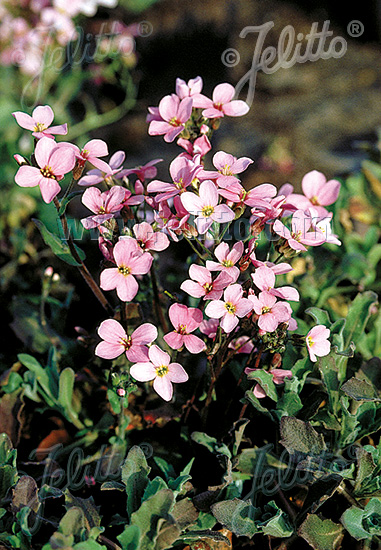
[21, 161]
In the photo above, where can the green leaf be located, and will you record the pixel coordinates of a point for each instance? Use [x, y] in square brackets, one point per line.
[330, 375]
[289, 404]
[279, 525]
[57, 246]
[299, 436]
[265, 380]
[352, 521]
[360, 390]
[130, 538]
[153, 487]
[237, 515]
[358, 316]
[87, 506]
[211, 443]
[321, 534]
[135, 472]
[320, 315]
[66, 387]
[148, 517]
[65, 201]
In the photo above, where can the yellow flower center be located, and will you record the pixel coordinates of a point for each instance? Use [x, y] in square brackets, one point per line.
[39, 127]
[47, 172]
[310, 342]
[226, 171]
[162, 370]
[207, 211]
[124, 270]
[231, 308]
[227, 263]
[296, 236]
[179, 184]
[315, 200]
[208, 287]
[102, 210]
[126, 342]
[266, 310]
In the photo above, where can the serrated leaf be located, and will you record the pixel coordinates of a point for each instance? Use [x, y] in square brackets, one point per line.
[321, 534]
[236, 515]
[299, 436]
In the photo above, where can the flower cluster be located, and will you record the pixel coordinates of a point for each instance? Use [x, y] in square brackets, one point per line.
[235, 303]
[29, 27]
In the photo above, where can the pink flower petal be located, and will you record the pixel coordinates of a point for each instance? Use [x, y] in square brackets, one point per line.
[62, 160]
[145, 334]
[158, 357]
[236, 108]
[106, 350]
[44, 115]
[43, 150]
[127, 288]
[174, 340]
[24, 120]
[312, 182]
[177, 373]
[215, 309]
[163, 387]
[49, 189]
[28, 176]
[223, 93]
[229, 322]
[111, 331]
[110, 278]
[168, 106]
[143, 372]
[193, 343]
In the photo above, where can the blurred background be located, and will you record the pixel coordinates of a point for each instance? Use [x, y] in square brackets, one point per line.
[100, 65]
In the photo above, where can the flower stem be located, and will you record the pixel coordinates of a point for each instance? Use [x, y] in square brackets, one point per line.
[82, 267]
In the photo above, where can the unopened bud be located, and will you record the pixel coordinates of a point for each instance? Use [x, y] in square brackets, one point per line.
[48, 271]
[55, 278]
[78, 169]
[21, 161]
[121, 392]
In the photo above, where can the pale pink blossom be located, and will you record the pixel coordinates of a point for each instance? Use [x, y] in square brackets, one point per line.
[206, 207]
[264, 279]
[257, 197]
[95, 176]
[130, 261]
[190, 88]
[54, 161]
[203, 285]
[173, 116]
[40, 122]
[148, 239]
[279, 376]
[161, 371]
[227, 259]
[271, 313]
[318, 193]
[243, 344]
[278, 269]
[222, 103]
[183, 171]
[91, 152]
[146, 172]
[185, 320]
[116, 341]
[104, 205]
[209, 327]
[229, 310]
[199, 146]
[324, 226]
[299, 235]
[317, 341]
[227, 168]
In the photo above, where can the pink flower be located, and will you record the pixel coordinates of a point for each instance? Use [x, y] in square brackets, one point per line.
[210, 327]
[104, 205]
[279, 376]
[270, 210]
[132, 200]
[227, 168]
[203, 285]
[97, 176]
[130, 261]
[40, 122]
[54, 160]
[183, 89]
[243, 344]
[146, 172]
[206, 207]
[278, 269]
[229, 310]
[161, 371]
[227, 259]
[257, 197]
[116, 341]
[222, 103]
[200, 146]
[183, 171]
[318, 192]
[91, 151]
[324, 226]
[173, 116]
[317, 341]
[185, 320]
[299, 234]
[148, 239]
[264, 279]
[271, 313]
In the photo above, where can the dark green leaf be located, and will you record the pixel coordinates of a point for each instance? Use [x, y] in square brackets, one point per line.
[299, 436]
[58, 247]
[321, 534]
[135, 472]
